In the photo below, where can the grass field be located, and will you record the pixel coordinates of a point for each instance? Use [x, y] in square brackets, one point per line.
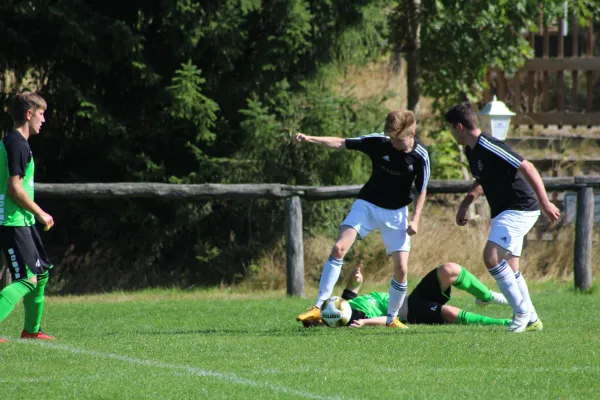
[167, 344]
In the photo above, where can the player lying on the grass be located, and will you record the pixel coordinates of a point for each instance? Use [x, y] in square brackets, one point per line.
[426, 304]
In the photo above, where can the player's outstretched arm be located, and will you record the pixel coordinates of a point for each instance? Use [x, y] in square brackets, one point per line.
[532, 176]
[472, 195]
[377, 321]
[330, 142]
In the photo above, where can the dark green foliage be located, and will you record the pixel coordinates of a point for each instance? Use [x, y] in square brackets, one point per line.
[185, 92]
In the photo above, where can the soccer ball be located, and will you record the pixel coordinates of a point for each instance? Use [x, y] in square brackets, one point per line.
[336, 312]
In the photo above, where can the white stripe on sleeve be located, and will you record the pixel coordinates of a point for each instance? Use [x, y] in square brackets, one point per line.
[500, 152]
[426, 169]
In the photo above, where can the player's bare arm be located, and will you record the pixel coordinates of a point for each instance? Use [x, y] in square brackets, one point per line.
[17, 193]
[377, 321]
[532, 176]
[413, 225]
[330, 142]
[472, 195]
[355, 279]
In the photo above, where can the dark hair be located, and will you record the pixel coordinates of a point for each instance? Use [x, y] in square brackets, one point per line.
[24, 102]
[462, 113]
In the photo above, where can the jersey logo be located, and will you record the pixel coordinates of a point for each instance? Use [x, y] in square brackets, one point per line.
[433, 308]
[386, 158]
[480, 165]
[410, 168]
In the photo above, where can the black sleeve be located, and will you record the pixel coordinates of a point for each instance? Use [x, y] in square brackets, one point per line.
[356, 315]
[18, 155]
[501, 152]
[422, 173]
[366, 144]
[349, 295]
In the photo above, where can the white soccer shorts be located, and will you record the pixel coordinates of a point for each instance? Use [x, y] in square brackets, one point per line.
[365, 217]
[509, 228]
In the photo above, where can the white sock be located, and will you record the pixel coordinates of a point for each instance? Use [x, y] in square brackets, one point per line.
[329, 276]
[397, 294]
[525, 293]
[505, 279]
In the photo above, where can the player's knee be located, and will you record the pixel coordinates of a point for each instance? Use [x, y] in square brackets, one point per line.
[449, 269]
[339, 250]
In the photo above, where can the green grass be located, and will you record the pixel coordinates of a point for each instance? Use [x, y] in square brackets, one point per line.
[191, 345]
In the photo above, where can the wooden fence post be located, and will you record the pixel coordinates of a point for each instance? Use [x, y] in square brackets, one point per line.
[583, 238]
[294, 247]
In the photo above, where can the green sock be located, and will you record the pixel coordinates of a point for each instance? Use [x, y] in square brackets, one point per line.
[34, 305]
[10, 295]
[468, 282]
[469, 318]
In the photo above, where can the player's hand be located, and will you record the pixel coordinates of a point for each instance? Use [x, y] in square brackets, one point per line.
[413, 228]
[551, 211]
[356, 278]
[461, 216]
[46, 220]
[301, 137]
[357, 323]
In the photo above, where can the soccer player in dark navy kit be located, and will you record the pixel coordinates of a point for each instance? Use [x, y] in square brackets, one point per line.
[398, 161]
[515, 192]
[19, 239]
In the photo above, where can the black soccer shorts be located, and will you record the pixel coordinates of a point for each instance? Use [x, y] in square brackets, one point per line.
[23, 250]
[426, 301]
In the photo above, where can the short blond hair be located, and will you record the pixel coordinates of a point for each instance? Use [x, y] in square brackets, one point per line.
[398, 123]
[24, 102]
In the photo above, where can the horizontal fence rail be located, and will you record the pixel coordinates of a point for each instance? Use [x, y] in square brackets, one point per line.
[583, 185]
[145, 190]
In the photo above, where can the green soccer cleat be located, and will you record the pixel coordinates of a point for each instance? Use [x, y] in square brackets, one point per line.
[535, 326]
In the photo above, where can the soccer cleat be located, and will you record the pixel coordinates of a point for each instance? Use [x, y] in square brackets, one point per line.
[535, 326]
[519, 322]
[39, 335]
[312, 313]
[3, 341]
[312, 322]
[497, 298]
[396, 324]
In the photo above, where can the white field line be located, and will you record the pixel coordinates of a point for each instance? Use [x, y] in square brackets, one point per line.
[228, 377]
[48, 380]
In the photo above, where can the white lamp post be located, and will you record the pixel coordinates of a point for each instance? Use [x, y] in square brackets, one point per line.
[495, 118]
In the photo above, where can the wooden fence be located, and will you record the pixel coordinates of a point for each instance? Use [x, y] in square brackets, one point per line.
[584, 186]
[537, 92]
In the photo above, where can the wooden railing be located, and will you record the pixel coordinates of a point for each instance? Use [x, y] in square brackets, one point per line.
[584, 185]
[537, 92]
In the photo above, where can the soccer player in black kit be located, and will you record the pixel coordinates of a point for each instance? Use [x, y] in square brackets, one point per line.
[398, 161]
[515, 192]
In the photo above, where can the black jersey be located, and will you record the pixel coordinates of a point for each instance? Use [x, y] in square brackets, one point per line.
[496, 167]
[394, 171]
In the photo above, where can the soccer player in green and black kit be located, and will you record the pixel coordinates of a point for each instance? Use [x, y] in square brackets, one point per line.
[19, 238]
[427, 302]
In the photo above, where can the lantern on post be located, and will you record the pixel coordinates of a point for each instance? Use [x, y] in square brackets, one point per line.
[495, 118]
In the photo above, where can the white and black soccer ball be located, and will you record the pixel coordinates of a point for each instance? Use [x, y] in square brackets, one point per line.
[336, 312]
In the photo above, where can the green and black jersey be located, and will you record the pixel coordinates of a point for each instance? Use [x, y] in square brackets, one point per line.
[373, 305]
[15, 159]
